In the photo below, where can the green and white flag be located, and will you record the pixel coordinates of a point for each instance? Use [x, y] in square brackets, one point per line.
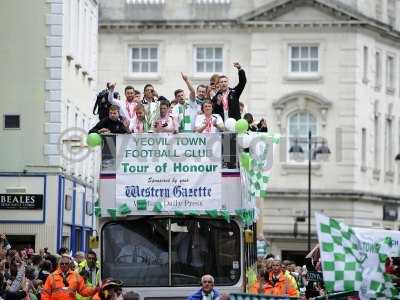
[353, 259]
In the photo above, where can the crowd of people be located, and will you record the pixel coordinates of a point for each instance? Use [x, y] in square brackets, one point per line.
[206, 110]
[285, 278]
[25, 275]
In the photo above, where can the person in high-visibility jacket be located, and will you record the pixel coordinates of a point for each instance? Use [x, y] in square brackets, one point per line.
[279, 284]
[63, 284]
[286, 265]
[89, 269]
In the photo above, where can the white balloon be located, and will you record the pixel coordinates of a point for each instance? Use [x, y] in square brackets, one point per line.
[244, 140]
[230, 124]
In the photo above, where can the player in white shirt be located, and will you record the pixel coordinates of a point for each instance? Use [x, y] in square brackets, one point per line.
[187, 111]
[209, 122]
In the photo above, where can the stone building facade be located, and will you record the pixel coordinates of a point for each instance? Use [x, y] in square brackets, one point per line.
[331, 67]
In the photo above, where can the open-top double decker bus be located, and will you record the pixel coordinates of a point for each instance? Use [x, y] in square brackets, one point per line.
[169, 213]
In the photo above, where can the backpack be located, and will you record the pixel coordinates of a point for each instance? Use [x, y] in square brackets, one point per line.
[102, 105]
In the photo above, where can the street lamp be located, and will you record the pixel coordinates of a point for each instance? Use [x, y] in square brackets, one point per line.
[322, 152]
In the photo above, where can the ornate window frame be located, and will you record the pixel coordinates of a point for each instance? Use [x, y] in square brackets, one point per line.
[293, 102]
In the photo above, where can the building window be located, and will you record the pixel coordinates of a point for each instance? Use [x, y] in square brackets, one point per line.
[67, 117]
[300, 124]
[65, 241]
[365, 64]
[12, 122]
[68, 202]
[398, 146]
[90, 44]
[378, 70]
[378, 9]
[78, 240]
[84, 38]
[88, 208]
[78, 26]
[209, 59]
[303, 59]
[364, 149]
[390, 212]
[390, 74]
[76, 120]
[376, 142]
[388, 145]
[391, 12]
[144, 59]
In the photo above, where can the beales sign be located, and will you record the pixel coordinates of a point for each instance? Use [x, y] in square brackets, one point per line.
[21, 201]
[183, 171]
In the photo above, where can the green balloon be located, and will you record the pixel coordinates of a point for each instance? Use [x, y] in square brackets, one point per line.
[93, 140]
[241, 126]
[245, 161]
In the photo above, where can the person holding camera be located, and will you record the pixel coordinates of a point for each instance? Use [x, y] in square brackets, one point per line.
[262, 126]
[165, 122]
[213, 87]
[15, 286]
[102, 105]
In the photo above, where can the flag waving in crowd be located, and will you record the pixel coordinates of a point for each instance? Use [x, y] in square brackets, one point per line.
[356, 259]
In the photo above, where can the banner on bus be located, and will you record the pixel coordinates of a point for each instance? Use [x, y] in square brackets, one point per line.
[182, 172]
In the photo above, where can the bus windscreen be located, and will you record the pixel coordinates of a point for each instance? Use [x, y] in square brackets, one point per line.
[137, 251]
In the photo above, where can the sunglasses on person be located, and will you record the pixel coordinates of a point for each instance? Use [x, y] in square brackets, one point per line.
[207, 281]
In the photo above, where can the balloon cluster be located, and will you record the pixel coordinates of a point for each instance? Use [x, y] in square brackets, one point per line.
[241, 127]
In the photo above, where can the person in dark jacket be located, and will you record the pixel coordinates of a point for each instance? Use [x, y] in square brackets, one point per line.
[45, 269]
[226, 101]
[207, 290]
[262, 126]
[111, 124]
[249, 118]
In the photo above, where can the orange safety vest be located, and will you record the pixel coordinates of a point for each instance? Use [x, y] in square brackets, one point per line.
[257, 287]
[54, 288]
[283, 287]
